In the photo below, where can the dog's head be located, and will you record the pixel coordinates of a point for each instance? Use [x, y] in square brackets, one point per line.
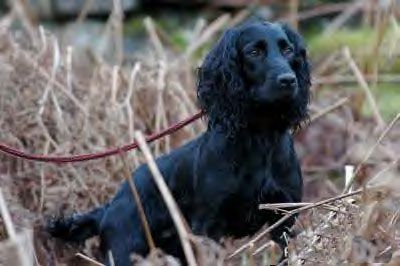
[257, 74]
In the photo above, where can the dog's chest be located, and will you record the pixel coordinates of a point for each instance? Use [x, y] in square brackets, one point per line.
[240, 209]
[252, 173]
[256, 164]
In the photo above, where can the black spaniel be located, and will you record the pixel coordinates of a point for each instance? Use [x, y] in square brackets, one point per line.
[254, 89]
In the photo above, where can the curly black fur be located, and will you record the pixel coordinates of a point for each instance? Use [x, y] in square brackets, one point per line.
[223, 94]
[254, 88]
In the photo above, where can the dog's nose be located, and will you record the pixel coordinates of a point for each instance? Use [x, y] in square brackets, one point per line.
[287, 80]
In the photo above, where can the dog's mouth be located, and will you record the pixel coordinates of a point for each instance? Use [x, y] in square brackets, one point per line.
[267, 95]
[262, 117]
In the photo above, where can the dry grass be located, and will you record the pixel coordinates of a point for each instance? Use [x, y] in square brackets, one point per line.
[49, 107]
[54, 102]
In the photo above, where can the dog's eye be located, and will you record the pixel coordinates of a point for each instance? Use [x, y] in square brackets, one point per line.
[255, 52]
[287, 50]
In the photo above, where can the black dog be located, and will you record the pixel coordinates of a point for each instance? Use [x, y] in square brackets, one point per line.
[254, 88]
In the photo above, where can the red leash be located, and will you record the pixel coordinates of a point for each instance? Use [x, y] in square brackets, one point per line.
[92, 156]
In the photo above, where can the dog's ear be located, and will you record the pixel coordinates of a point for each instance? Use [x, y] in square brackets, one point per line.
[301, 66]
[220, 84]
